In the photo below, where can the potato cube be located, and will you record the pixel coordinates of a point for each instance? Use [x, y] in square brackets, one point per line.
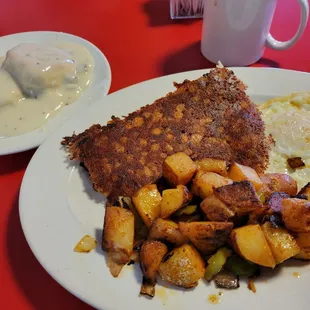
[278, 182]
[179, 169]
[282, 244]
[303, 240]
[151, 254]
[241, 197]
[118, 237]
[182, 266]
[147, 202]
[174, 199]
[207, 237]
[216, 210]
[239, 172]
[205, 182]
[296, 214]
[250, 242]
[212, 165]
[166, 230]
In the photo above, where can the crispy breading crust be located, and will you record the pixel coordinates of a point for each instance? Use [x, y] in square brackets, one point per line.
[209, 117]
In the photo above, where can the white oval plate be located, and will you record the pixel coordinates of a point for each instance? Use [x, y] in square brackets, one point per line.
[58, 206]
[99, 87]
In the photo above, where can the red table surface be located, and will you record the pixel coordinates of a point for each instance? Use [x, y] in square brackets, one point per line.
[140, 42]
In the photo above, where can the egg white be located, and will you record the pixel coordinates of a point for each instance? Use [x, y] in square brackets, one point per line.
[287, 119]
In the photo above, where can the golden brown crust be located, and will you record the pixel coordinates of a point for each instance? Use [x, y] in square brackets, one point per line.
[209, 117]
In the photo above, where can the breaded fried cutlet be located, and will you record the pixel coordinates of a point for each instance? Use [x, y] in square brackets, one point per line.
[208, 117]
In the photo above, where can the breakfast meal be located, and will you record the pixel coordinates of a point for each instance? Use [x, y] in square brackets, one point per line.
[37, 81]
[202, 183]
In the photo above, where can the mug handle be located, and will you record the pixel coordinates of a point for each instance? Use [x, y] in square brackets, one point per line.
[279, 45]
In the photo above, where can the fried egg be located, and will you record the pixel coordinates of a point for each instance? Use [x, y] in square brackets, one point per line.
[287, 120]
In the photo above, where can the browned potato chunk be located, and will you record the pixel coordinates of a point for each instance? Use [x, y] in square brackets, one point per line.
[250, 242]
[166, 230]
[303, 240]
[216, 210]
[278, 182]
[282, 244]
[118, 237]
[241, 197]
[305, 191]
[174, 199]
[140, 228]
[147, 201]
[178, 169]
[205, 182]
[212, 165]
[182, 266]
[206, 236]
[296, 214]
[151, 255]
[239, 172]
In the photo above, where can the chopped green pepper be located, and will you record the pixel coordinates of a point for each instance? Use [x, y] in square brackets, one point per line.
[216, 263]
[241, 267]
[188, 210]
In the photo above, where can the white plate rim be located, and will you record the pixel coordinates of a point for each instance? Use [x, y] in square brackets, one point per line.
[24, 197]
[35, 138]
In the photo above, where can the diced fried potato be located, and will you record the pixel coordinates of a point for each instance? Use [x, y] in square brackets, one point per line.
[179, 169]
[207, 237]
[278, 182]
[305, 191]
[282, 244]
[118, 237]
[151, 255]
[140, 228]
[212, 165]
[147, 201]
[182, 266]
[174, 199]
[250, 242]
[239, 173]
[205, 182]
[303, 240]
[296, 214]
[241, 197]
[166, 230]
[216, 210]
[86, 244]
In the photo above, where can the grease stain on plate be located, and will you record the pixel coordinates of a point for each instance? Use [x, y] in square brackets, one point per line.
[214, 299]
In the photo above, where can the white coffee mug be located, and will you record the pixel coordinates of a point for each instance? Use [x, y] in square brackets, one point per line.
[235, 32]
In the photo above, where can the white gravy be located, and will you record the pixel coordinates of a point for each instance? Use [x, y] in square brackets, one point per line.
[37, 81]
